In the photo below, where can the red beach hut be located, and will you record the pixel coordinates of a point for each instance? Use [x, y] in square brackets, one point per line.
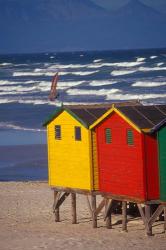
[127, 154]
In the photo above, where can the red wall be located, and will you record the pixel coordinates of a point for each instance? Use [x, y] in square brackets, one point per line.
[152, 173]
[121, 166]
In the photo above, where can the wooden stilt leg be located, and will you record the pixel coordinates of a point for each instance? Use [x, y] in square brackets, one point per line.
[109, 220]
[73, 205]
[94, 216]
[124, 216]
[164, 219]
[108, 214]
[147, 216]
[56, 210]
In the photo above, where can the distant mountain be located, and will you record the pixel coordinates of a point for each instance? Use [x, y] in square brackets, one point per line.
[50, 9]
[135, 9]
[139, 26]
[61, 25]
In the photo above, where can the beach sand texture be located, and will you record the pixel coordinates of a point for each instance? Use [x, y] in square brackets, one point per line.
[27, 223]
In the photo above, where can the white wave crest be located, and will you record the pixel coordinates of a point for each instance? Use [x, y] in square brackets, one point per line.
[148, 84]
[97, 60]
[100, 92]
[5, 125]
[81, 73]
[6, 82]
[6, 64]
[160, 64]
[120, 64]
[122, 72]
[134, 97]
[127, 64]
[153, 57]
[6, 100]
[17, 88]
[33, 74]
[140, 59]
[84, 73]
[146, 69]
[46, 86]
[68, 66]
[101, 82]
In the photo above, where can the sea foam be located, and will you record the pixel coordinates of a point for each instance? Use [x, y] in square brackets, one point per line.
[140, 59]
[122, 72]
[120, 64]
[92, 92]
[134, 96]
[101, 82]
[4, 125]
[148, 84]
[146, 69]
[153, 57]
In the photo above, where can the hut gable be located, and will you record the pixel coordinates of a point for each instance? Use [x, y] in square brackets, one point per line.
[66, 153]
[120, 159]
[142, 118]
[71, 151]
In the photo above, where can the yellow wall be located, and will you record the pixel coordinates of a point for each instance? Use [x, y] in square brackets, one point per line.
[70, 161]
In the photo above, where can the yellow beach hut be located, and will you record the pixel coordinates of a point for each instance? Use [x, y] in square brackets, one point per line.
[72, 152]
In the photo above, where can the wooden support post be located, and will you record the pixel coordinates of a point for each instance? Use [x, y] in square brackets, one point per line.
[147, 216]
[108, 212]
[164, 219]
[94, 216]
[109, 220]
[73, 205]
[56, 209]
[142, 213]
[89, 205]
[124, 216]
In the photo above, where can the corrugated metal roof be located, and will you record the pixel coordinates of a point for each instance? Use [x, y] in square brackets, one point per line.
[142, 116]
[89, 115]
[145, 116]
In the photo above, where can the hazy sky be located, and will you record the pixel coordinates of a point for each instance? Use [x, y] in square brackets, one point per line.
[113, 4]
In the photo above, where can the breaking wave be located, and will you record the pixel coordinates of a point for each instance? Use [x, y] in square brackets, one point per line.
[148, 84]
[140, 59]
[100, 92]
[101, 82]
[68, 66]
[146, 69]
[84, 73]
[80, 73]
[33, 73]
[120, 64]
[122, 72]
[134, 96]
[6, 64]
[4, 125]
[97, 60]
[153, 57]
[160, 64]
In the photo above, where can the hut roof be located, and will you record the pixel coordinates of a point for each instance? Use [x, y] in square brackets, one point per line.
[87, 114]
[144, 118]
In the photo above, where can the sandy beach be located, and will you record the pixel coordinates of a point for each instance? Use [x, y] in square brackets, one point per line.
[27, 222]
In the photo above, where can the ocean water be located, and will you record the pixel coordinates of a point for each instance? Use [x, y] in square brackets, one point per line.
[84, 77]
